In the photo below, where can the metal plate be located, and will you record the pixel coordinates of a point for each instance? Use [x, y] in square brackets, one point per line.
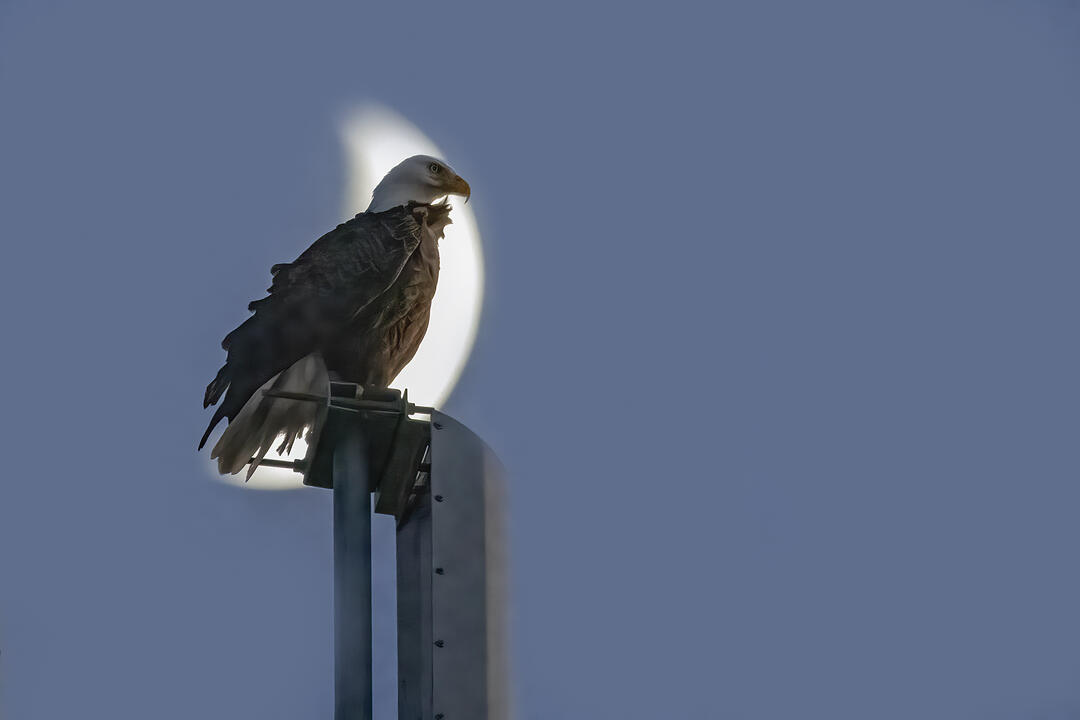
[469, 668]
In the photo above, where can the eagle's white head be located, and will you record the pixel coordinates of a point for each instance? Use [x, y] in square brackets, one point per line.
[420, 178]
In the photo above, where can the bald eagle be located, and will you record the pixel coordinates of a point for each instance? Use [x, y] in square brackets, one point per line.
[355, 304]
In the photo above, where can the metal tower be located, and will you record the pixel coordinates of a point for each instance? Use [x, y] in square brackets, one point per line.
[445, 488]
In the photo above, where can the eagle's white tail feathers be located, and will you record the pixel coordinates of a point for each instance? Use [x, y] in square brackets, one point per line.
[262, 420]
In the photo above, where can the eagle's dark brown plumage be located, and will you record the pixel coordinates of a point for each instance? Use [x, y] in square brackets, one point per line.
[355, 304]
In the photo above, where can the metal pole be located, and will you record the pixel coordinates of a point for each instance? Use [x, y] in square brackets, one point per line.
[352, 578]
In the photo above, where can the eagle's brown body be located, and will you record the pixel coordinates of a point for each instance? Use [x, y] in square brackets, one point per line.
[355, 305]
[384, 337]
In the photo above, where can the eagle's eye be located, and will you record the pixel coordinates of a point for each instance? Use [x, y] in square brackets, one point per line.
[434, 167]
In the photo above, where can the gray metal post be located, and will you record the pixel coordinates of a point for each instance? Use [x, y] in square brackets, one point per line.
[470, 670]
[352, 577]
[451, 563]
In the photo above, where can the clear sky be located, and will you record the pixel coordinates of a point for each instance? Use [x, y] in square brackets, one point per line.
[779, 344]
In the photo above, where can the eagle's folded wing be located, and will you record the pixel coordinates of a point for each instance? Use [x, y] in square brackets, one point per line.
[311, 299]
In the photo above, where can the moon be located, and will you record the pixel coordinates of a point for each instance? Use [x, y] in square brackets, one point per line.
[376, 139]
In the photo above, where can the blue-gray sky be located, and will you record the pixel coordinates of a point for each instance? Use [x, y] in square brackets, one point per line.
[779, 343]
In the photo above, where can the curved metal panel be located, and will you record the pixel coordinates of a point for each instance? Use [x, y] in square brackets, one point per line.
[468, 583]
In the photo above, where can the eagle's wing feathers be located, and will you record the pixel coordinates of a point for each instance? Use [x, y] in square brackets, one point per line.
[311, 299]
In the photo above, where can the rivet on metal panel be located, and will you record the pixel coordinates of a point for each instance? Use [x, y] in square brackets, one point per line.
[439, 643]
[436, 425]
[438, 498]
[439, 571]
[440, 716]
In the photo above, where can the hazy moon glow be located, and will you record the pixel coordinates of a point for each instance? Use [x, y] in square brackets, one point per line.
[376, 139]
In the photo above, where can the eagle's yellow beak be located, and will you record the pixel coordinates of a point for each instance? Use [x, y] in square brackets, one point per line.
[458, 186]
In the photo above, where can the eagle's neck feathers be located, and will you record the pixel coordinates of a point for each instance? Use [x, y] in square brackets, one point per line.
[392, 195]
